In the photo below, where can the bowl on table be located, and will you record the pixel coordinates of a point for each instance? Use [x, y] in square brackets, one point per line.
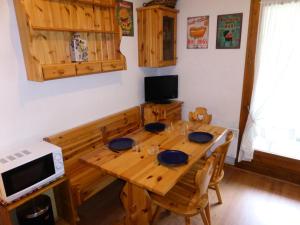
[200, 137]
[155, 127]
[172, 158]
[121, 144]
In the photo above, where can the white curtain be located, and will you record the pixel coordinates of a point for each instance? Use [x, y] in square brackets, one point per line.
[274, 115]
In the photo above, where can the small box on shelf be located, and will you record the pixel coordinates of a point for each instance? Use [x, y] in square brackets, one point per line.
[78, 48]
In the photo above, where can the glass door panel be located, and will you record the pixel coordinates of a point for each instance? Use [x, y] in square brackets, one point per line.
[168, 38]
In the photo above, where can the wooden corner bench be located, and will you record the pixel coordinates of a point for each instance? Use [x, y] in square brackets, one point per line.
[86, 181]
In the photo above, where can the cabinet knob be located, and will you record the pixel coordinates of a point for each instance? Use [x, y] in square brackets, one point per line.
[61, 72]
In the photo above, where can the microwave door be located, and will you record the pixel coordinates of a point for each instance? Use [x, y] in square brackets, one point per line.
[28, 174]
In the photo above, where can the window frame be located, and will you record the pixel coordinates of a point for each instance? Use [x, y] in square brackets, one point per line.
[249, 68]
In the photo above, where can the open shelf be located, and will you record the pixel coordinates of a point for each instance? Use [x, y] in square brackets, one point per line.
[101, 3]
[46, 30]
[63, 201]
[66, 29]
[34, 194]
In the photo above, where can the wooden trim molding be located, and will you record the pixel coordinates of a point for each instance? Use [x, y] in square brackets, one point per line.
[249, 68]
[275, 166]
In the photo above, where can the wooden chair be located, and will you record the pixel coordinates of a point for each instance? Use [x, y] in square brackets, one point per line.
[219, 169]
[200, 115]
[189, 196]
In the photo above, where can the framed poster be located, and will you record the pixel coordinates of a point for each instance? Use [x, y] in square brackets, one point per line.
[125, 17]
[229, 30]
[197, 28]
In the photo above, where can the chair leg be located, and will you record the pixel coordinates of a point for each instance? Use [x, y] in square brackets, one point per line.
[204, 217]
[207, 212]
[155, 215]
[187, 220]
[218, 194]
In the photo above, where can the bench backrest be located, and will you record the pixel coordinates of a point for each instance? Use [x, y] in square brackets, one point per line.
[83, 139]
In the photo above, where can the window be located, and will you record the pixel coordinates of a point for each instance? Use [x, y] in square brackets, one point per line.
[273, 123]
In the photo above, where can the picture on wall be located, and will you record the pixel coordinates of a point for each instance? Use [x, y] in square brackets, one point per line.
[229, 30]
[125, 17]
[197, 28]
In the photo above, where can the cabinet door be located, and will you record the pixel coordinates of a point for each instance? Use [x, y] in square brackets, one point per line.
[168, 38]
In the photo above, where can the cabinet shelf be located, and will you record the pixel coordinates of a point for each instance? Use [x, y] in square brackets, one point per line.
[98, 3]
[66, 29]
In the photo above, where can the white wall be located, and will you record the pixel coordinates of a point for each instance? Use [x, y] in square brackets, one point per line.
[208, 77]
[30, 111]
[211, 77]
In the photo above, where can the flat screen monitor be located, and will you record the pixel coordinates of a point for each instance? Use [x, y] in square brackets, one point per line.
[161, 89]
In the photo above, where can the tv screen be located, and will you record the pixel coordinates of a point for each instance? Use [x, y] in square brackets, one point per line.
[161, 89]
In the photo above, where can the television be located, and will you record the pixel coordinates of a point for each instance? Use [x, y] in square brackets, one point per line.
[161, 89]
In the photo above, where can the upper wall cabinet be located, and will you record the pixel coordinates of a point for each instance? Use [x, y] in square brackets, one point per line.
[157, 27]
[46, 30]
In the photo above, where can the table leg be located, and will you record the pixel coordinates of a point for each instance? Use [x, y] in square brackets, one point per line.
[137, 204]
[5, 218]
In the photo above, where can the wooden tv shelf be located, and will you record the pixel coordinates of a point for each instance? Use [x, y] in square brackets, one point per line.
[46, 28]
[152, 112]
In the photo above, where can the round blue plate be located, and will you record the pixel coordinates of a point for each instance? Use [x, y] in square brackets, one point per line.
[172, 158]
[200, 137]
[155, 127]
[121, 144]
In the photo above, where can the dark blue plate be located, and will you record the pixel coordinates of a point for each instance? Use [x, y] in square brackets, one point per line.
[200, 137]
[121, 144]
[155, 127]
[172, 158]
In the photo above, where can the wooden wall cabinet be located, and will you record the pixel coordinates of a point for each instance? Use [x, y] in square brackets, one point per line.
[152, 112]
[46, 28]
[157, 36]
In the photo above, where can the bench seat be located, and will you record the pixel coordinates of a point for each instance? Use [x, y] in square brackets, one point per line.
[86, 181]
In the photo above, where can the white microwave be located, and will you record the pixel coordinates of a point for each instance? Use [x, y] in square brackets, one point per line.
[28, 169]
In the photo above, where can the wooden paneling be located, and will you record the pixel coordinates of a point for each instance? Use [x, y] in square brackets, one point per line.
[46, 28]
[60, 15]
[150, 35]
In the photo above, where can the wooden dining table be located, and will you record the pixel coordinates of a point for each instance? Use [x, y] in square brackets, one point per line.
[141, 170]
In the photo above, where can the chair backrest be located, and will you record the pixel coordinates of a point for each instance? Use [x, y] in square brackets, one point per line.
[222, 150]
[200, 115]
[204, 176]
